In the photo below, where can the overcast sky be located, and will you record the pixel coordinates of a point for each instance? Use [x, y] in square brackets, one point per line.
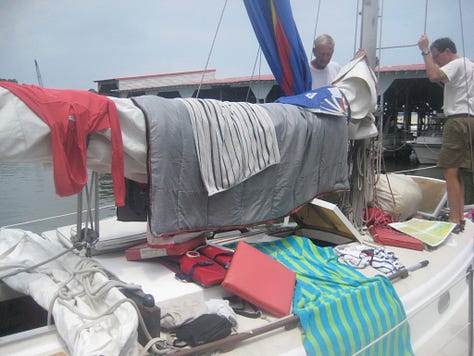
[78, 42]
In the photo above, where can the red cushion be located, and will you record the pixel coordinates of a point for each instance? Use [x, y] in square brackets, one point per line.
[260, 280]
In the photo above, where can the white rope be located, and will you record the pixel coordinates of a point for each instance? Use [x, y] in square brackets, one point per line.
[22, 269]
[84, 275]
[152, 343]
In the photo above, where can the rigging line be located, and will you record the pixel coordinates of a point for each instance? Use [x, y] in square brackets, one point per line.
[356, 26]
[380, 45]
[408, 45]
[414, 169]
[315, 27]
[426, 15]
[468, 98]
[212, 47]
[260, 66]
[398, 46]
[379, 149]
[253, 73]
[88, 191]
[54, 217]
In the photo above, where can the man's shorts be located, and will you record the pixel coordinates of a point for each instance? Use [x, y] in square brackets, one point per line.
[458, 142]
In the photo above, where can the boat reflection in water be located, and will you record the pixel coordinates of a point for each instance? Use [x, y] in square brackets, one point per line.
[396, 140]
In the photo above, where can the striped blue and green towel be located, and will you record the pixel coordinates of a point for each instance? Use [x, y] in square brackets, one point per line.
[341, 311]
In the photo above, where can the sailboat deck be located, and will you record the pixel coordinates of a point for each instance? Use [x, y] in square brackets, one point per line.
[434, 297]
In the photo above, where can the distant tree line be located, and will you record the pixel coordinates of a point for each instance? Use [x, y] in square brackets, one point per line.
[15, 81]
[9, 80]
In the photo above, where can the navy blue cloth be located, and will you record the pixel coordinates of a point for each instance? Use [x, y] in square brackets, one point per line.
[325, 100]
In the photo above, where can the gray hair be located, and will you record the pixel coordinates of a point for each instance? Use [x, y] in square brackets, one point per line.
[323, 40]
[442, 43]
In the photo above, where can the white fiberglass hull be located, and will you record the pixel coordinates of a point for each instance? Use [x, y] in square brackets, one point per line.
[426, 153]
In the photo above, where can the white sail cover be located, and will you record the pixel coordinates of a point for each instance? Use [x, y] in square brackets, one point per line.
[24, 137]
[358, 83]
[89, 321]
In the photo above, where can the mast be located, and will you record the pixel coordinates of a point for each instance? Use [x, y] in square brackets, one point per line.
[368, 41]
[38, 74]
[362, 180]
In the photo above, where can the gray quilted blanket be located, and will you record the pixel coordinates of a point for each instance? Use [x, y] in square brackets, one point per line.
[313, 161]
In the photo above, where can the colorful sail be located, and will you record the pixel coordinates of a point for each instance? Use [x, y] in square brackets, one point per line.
[276, 31]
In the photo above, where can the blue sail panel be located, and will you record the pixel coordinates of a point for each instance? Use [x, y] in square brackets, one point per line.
[275, 28]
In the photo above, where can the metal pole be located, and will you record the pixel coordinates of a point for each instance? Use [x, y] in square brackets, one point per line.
[360, 148]
[370, 9]
[96, 203]
[470, 276]
[78, 218]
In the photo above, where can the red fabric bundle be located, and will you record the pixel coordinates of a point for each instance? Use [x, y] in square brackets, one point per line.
[385, 235]
[72, 115]
[376, 216]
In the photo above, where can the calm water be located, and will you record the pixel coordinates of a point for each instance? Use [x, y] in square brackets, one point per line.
[27, 193]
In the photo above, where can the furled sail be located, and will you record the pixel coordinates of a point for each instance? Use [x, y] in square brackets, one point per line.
[276, 31]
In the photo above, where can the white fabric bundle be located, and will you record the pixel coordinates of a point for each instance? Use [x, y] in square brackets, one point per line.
[24, 137]
[358, 83]
[89, 321]
[399, 195]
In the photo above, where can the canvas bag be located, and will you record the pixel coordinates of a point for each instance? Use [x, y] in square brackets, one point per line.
[205, 328]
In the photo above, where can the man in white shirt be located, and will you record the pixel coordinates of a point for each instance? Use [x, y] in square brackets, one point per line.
[444, 65]
[323, 70]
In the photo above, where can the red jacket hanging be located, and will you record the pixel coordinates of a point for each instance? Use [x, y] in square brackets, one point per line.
[72, 115]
